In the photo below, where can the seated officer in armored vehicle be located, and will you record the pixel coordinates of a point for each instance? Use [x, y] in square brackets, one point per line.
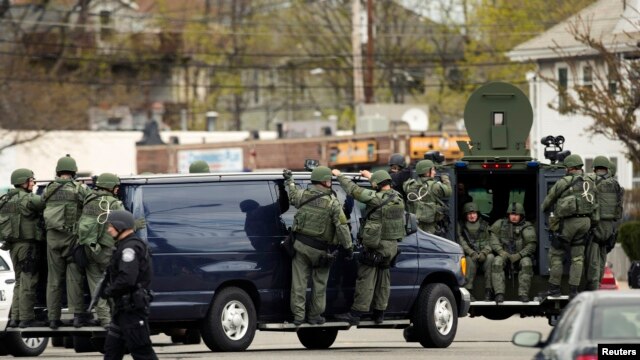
[514, 241]
[473, 235]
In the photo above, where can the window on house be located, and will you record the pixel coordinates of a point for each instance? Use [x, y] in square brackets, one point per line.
[587, 77]
[105, 24]
[563, 83]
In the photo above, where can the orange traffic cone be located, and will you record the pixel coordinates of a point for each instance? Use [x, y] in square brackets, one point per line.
[608, 281]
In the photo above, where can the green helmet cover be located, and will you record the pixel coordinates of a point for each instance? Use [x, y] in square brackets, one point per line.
[199, 167]
[20, 176]
[378, 177]
[66, 163]
[321, 173]
[573, 160]
[397, 159]
[601, 161]
[470, 207]
[515, 208]
[107, 181]
[424, 166]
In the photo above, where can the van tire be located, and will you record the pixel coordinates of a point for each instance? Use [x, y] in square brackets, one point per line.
[18, 346]
[230, 324]
[436, 304]
[321, 338]
[83, 344]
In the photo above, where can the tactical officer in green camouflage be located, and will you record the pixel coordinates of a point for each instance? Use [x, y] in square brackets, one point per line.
[20, 210]
[609, 198]
[199, 167]
[97, 244]
[384, 227]
[425, 197]
[473, 236]
[318, 224]
[514, 240]
[573, 199]
[63, 198]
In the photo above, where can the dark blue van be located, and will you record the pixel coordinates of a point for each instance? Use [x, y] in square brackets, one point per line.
[219, 270]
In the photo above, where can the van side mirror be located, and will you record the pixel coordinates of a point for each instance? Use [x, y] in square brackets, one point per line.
[527, 339]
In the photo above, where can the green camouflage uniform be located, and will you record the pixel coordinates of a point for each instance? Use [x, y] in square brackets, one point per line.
[425, 198]
[384, 228]
[475, 241]
[573, 227]
[322, 220]
[98, 244]
[609, 202]
[515, 245]
[61, 214]
[19, 228]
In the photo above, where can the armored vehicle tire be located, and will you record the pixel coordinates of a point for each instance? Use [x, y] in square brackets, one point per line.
[436, 316]
[19, 346]
[57, 341]
[83, 344]
[321, 338]
[230, 324]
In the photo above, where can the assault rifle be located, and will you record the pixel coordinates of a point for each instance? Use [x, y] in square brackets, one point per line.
[102, 284]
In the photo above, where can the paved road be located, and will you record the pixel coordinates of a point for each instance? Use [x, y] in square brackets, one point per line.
[477, 339]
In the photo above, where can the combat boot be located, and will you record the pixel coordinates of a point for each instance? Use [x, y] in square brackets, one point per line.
[553, 290]
[352, 317]
[499, 298]
[54, 324]
[523, 298]
[378, 316]
[488, 295]
[13, 323]
[573, 292]
[79, 320]
[316, 320]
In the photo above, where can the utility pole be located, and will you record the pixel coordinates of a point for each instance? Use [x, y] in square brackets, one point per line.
[358, 90]
[368, 80]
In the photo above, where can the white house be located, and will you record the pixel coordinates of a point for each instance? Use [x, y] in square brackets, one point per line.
[616, 23]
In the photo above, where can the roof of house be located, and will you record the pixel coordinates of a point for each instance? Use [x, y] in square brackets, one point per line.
[615, 22]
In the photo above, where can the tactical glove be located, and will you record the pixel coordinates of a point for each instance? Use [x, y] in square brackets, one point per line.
[348, 254]
[513, 258]
[139, 223]
[287, 174]
[504, 254]
[482, 257]
[474, 256]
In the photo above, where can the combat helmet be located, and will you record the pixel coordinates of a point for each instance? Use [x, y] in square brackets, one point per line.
[378, 177]
[601, 161]
[397, 159]
[515, 208]
[470, 207]
[20, 176]
[121, 220]
[321, 173]
[198, 167]
[573, 161]
[423, 166]
[66, 164]
[107, 181]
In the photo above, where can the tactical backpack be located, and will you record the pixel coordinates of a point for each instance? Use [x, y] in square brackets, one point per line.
[609, 198]
[63, 206]
[426, 211]
[578, 198]
[92, 224]
[313, 219]
[9, 218]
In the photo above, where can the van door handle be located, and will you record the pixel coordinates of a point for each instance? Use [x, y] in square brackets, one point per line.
[10, 281]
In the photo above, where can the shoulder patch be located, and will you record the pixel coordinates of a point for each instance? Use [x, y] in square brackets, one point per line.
[128, 255]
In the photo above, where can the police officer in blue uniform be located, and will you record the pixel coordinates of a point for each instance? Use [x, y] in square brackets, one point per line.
[128, 280]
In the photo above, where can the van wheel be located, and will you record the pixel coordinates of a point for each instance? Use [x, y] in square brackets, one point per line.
[19, 346]
[321, 338]
[436, 316]
[230, 324]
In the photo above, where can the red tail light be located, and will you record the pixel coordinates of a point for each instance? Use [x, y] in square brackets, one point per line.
[587, 357]
[496, 166]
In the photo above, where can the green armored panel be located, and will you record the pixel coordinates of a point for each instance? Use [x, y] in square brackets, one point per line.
[498, 118]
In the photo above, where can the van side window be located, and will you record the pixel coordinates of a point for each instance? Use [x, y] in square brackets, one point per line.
[200, 217]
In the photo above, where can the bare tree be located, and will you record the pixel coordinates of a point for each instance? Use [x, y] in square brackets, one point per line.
[612, 96]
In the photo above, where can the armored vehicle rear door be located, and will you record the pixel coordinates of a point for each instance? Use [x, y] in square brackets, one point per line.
[547, 176]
